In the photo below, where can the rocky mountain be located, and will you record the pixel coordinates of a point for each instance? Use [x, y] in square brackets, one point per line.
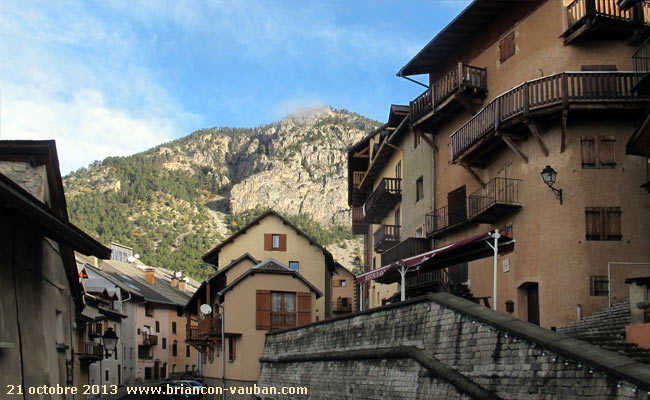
[177, 200]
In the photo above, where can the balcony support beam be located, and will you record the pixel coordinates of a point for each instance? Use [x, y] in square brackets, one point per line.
[423, 136]
[473, 174]
[536, 131]
[506, 139]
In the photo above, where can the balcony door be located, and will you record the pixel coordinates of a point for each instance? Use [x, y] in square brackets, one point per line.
[398, 170]
[457, 203]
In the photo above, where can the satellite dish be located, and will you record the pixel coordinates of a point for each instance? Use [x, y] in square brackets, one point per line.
[137, 255]
[206, 309]
[131, 259]
[178, 274]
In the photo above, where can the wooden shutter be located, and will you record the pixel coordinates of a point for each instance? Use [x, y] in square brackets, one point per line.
[304, 308]
[607, 146]
[283, 243]
[268, 242]
[593, 221]
[588, 145]
[263, 309]
[612, 223]
[507, 47]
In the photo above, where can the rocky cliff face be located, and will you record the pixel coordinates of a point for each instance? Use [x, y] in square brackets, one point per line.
[296, 166]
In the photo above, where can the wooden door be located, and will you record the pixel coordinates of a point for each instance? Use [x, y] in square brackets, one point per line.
[533, 303]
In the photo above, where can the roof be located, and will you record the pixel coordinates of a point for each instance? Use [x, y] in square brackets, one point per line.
[135, 281]
[462, 31]
[213, 255]
[269, 266]
[344, 269]
[397, 114]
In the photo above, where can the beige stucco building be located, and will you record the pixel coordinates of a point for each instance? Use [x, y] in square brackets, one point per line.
[528, 85]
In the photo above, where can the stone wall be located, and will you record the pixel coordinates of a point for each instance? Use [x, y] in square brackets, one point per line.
[442, 346]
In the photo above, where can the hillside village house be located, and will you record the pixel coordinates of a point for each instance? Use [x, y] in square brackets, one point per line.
[250, 298]
[515, 89]
[40, 292]
[343, 291]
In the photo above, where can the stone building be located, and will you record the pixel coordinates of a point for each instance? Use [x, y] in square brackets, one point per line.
[514, 87]
[40, 292]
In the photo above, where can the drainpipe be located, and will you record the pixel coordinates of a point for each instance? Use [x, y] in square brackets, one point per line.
[223, 350]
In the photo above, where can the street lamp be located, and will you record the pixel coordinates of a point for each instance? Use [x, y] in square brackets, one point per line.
[109, 340]
[549, 175]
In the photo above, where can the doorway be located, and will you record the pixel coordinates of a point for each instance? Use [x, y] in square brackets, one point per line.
[156, 370]
[530, 301]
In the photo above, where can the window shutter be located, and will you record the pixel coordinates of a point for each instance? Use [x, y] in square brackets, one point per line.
[593, 221]
[607, 146]
[263, 309]
[268, 242]
[283, 243]
[304, 308]
[588, 145]
[507, 47]
[612, 223]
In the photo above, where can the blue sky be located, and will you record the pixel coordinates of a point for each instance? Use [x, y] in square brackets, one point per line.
[117, 77]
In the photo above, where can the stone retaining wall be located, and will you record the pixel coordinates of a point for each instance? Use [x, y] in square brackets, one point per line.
[442, 346]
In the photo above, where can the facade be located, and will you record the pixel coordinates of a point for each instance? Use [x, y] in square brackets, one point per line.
[272, 236]
[542, 83]
[250, 298]
[343, 291]
[40, 292]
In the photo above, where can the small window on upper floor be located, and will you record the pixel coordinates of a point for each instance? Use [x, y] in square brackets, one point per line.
[342, 283]
[598, 152]
[275, 242]
[416, 139]
[507, 47]
[419, 189]
[418, 232]
[294, 265]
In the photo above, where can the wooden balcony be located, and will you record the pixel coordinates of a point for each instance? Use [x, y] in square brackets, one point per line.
[357, 178]
[407, 248]
[465, 80]
[91, 351]
[586, 92]
[386, 237]
[641, 59]
[210, 326]
[604, 19]
[498, 198]
[149, 340]
[383, 199]
[343, 305]
[359, 224]
[430, 281]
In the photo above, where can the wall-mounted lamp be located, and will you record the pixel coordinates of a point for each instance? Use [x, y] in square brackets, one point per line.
[549, 175]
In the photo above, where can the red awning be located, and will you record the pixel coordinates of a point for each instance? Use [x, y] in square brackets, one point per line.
[466, 250]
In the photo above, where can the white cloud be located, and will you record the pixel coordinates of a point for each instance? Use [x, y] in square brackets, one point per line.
[294, 105]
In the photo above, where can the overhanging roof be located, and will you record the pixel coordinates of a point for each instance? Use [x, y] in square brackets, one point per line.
[466, 250]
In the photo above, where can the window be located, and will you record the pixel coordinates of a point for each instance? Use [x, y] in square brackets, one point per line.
[294, 265]
[143, 352]
[138, 331]
[598, 286]
[157, 326]
[283, 310]
[418, 232]
[174, 368]
[179, 312]
[419, 189]
[148, 309]
[187, 350]
[603, 223]
[598, 152]
[507, 47]
[232, 347]
[275, 242]
[175, 349]
[416, 139]
[342, 283]
[164, 343]
[174, 327]
[106, 375]
[120, 253]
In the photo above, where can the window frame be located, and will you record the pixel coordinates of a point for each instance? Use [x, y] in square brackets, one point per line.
[297, 269]
[283, 314]
[419, 188]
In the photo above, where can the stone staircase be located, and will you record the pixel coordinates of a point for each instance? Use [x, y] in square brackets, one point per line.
[606, 329]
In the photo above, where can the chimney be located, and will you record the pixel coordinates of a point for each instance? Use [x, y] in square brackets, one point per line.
[150, 273]
[181, 284]
[174, 282]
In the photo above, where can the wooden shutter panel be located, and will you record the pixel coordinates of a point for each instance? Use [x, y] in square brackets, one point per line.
[612, 223]
[588, 145]
[283, 243]
[263, 309]
[268, 242]
[593, 221]
[507, 47]
[607, 146]
[304, 308]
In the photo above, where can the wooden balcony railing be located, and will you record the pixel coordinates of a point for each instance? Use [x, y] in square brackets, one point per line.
[437, 280]
[458, 79]
[407, 248]
[560, 90]
[387, 194]
[92, 350]
[283, 320]
[499, 191]
[209, 326]
[342, 305]
[357, 177]
[149, 340]
[580, 9]
[193, 332]
[386, 236]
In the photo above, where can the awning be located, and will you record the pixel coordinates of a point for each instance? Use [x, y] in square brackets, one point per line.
[466, 250]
